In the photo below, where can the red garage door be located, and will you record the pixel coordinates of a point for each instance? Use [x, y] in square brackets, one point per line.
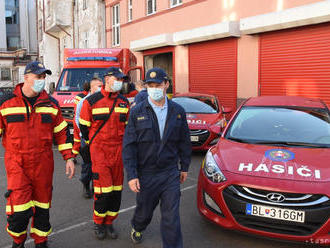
[213, 69]
[296, 62]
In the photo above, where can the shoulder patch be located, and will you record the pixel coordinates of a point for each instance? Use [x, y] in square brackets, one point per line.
[53, 100]
[92, 99]
[123, 98]
[6, 97]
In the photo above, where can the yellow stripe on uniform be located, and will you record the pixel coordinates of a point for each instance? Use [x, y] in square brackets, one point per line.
[14, 110]
[76, 140]
[108, 213]
[64, 146]
[48, 110]
[41, 205]
[121, 110]
[75, 152]
[19, 208]
[60, 127]
[16, 234]
[1, 130]
[100, 190]
[78, 98]
[86, 123]
[100, 111]
[40, 233]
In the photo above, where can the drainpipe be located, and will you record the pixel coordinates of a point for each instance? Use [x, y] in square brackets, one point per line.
[58, 39]
[37, 22]
[27, 25]
[73, 29]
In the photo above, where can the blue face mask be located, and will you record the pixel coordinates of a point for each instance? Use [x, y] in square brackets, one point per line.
[39, 85]
[117, 85]
[156, 94]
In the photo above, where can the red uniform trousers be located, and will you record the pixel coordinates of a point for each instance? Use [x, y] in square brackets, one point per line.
[107, 167]
[30, 177]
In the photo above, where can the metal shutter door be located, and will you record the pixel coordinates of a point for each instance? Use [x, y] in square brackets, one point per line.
[296, 62]
[213, 69]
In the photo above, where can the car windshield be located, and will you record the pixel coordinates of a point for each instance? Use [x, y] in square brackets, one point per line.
[200, 105]
[74, 79]
[287, 126]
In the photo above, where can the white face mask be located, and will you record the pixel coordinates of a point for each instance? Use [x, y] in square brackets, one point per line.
[38, 85]
[156, 94]
[117, 85]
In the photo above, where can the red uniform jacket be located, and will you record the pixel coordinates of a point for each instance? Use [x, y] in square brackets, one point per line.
[29, 129]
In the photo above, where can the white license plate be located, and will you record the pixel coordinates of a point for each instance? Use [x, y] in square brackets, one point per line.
[71, 130]
[275, 213]
[194, 138]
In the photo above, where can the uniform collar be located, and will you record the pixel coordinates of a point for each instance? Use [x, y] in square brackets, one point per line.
[108, 94]
[156, 106]
[18, 92]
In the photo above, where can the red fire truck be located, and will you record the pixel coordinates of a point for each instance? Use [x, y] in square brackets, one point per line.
[81, 65]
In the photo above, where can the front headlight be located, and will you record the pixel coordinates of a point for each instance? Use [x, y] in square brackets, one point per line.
[211, 169]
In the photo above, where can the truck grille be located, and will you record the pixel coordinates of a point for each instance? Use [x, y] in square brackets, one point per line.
[316, 207]
[202, 134]
[67, 112]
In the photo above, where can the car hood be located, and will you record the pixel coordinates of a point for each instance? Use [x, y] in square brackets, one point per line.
[291, 163]
[65, 99]
[201, 121]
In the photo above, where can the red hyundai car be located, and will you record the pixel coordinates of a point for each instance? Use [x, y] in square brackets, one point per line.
[205, 116]
[269, 173]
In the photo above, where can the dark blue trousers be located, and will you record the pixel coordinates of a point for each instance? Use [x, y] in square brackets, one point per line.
[163, 188]
[86, 169]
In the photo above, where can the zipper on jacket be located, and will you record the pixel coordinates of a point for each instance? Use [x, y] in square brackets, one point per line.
[27, 109]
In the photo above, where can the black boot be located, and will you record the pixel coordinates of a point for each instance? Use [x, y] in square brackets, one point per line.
[112, 232]
[87, 192]
[42, 245]
[15, 245]
[100, 231]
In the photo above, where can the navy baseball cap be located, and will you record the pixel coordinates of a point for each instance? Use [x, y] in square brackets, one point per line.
[156, 75]
[116, 72]
[36, 67]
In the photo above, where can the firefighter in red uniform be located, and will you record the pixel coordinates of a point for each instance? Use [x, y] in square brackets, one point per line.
[29, 119]
[102, 122]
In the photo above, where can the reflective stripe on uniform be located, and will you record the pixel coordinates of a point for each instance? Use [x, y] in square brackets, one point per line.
[76, 140]
[86, 123]
[100, 111]
[14, 110]
[19, 208]
[108, 213]
[41, 205]
[1, 131]
[121, 110]
[78, 98]
[75, 152]
[15, 233]
[40, 233]
[60, 127]
[48, 110]
[100, 190]
[64, 146]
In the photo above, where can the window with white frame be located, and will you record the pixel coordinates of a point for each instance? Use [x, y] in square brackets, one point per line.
[151, 7]
[174, 3]
[5, 74]
[115, 25]
[130, 10]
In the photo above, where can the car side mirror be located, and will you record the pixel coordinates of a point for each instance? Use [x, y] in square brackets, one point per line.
[227, 110]
[51, 88]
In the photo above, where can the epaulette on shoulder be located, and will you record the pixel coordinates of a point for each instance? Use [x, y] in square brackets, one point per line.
[123, 98]
[53, 100]
[92, 99]
[6, 97]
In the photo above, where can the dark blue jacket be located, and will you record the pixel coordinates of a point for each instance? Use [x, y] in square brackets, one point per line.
[144, 151]
[141, 96]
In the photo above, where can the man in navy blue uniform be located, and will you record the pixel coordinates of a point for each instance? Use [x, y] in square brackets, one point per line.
[156, 139]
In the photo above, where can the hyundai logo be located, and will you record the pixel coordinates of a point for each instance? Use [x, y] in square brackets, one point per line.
[275, 197]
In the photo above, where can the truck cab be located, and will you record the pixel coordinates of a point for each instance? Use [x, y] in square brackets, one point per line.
[81, 65]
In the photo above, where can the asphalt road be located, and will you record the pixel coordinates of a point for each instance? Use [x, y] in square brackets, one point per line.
[71, 218]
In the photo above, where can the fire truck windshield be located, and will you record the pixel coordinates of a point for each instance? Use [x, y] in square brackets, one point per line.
[73, 79]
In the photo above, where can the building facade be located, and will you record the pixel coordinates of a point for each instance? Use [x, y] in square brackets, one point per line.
[18, 42]
[68, 24]
[233, 48]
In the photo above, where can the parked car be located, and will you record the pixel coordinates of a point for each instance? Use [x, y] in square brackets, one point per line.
[269, 173]
[205, 117]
